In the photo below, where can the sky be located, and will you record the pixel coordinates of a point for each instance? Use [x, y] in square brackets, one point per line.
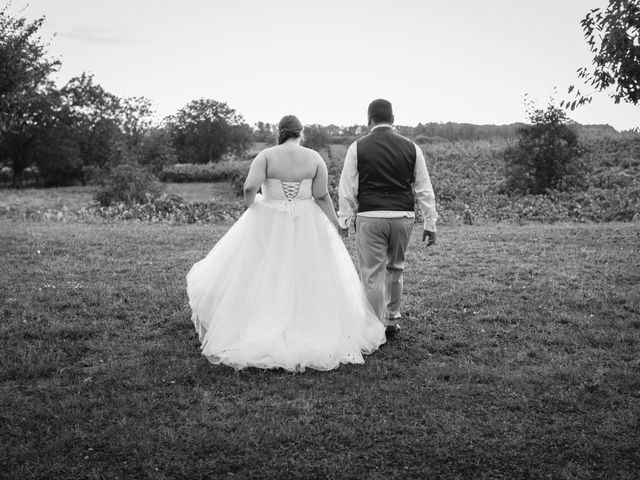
[324, 60]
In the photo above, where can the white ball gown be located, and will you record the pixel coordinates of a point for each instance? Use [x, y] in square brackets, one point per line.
[279, 290]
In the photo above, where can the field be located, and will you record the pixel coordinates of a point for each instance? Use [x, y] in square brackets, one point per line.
[519, 359]
[77, 197]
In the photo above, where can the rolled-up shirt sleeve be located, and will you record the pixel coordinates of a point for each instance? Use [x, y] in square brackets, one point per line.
[423, 191]
[348, 187]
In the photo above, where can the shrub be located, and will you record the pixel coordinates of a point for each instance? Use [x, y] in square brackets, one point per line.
[128, 184]
[546, 156]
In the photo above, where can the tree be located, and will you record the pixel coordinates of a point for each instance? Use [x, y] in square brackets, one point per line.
[613, 36]
[264, 132]
[315, 136]
[109, 130]
[27, 103]
[134, 117]
[547, 154]
[57, 156]
[205, 129]
[92, 113]
[156, 151]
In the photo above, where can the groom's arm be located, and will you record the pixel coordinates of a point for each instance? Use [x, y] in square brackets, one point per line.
[348, 188]
[424, 192]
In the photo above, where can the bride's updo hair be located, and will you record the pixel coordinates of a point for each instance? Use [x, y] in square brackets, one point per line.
[289, 127]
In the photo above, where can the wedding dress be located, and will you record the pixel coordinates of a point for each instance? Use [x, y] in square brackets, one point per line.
[280, 290]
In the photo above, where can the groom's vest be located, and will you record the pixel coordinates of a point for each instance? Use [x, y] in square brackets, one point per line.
[386, 164]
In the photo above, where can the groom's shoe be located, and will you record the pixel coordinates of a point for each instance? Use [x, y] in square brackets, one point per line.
[392, 331]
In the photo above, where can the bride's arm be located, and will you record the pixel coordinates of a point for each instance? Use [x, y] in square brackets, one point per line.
[255, 178]
[321, 193]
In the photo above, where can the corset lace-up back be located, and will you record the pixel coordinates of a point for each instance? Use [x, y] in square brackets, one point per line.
[291, 189]
[276, 189]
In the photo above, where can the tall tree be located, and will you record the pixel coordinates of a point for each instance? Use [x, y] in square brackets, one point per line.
[92, 113]
[205, 129]
[27, 103]
[613, 36]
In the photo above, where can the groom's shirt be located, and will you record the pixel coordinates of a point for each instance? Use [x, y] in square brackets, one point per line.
[392, 170]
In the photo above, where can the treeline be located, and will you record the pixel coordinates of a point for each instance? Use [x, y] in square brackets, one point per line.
[80, 132]
[422, 133]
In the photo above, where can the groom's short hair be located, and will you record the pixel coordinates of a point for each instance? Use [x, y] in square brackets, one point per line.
[380, 111]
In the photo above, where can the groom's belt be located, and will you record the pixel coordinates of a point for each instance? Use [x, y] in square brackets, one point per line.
[384, 190]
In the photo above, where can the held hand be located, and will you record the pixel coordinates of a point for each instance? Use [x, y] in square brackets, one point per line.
[344, 232]
[431, 235]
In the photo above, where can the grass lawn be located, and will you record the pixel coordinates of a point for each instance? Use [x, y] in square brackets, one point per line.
[42, 198]
[520, 359]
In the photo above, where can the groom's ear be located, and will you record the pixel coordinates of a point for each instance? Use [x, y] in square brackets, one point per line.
[392, 119]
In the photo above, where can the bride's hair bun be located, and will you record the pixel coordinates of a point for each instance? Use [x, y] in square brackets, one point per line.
[289, 127]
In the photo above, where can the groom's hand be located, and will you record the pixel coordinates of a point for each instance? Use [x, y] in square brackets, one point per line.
[431, 235]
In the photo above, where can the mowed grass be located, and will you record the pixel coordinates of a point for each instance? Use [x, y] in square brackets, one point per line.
[520, 358]
[73, 198]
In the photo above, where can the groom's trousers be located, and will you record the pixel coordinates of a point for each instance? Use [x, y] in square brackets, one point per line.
[381, 244]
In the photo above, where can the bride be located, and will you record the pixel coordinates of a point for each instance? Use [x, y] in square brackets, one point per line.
[279, 290]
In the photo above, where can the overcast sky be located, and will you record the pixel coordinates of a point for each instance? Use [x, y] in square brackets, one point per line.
[325, 60]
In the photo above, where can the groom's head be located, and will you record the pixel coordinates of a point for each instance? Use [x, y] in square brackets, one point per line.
[380, 111]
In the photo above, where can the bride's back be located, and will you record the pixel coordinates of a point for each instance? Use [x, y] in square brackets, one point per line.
[290, 162]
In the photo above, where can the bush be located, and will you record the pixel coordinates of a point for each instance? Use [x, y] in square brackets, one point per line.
[128, 184]
[547, 155]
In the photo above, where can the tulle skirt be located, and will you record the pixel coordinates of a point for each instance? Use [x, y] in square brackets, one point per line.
[279, 290]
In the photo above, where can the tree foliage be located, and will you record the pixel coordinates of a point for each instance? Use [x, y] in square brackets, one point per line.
[613, 36]
[108, 129]
[205, 129]
[155, 150]
[27, 105]
[546, 155]
[315, 136]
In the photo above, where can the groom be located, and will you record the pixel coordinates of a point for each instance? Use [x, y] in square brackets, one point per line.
[383, 174]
